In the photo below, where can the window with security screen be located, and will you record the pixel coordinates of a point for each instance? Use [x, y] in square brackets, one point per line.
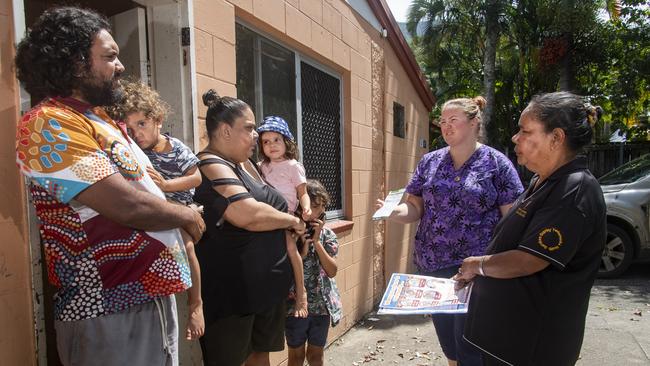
[399, 129]
[321, 130]
[275, 80]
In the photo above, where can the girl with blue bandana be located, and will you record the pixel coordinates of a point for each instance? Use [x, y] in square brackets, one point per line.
[282, 170]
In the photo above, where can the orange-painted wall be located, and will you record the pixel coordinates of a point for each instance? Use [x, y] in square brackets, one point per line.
[333, 34]
[17, 345]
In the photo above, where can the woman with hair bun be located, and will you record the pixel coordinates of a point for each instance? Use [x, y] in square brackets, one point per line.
[245, 273]
[458, 193]
[531, 290]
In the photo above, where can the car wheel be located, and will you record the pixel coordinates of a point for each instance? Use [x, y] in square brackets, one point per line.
[618, 252]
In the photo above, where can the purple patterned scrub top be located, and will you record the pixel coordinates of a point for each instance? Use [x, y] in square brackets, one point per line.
[461, 207]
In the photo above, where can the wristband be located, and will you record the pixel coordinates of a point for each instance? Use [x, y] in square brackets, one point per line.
[480, 267]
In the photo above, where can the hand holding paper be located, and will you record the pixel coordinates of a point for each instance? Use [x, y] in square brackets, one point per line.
[392, 200]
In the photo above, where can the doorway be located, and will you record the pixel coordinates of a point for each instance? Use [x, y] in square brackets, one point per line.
[153, 37]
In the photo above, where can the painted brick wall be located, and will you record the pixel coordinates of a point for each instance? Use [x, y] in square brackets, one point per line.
[330, 32]
[16, 317]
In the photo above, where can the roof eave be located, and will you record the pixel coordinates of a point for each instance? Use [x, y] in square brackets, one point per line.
[403, 51]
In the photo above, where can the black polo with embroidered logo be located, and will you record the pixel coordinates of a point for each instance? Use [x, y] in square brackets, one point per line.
[539, 319]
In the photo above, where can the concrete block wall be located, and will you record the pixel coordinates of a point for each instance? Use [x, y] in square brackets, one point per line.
[17, 344]
[328, 31]
[402, 156]
[332, 33]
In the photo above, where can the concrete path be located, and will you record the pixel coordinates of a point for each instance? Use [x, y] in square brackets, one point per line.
[617, 331]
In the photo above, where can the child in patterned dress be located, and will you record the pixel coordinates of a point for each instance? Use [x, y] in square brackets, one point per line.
[281, 169]
[174, 170]
[318, 250]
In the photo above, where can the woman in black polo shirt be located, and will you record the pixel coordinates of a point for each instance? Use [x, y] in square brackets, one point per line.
[531, 290]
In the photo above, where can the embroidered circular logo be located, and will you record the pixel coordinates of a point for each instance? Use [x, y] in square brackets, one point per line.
[125, 161]
[550, 239]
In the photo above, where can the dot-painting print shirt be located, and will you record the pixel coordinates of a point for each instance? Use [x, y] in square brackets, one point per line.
[99, 267]
[461, 207]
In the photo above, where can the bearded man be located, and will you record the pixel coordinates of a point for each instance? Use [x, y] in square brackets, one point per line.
[111, 240]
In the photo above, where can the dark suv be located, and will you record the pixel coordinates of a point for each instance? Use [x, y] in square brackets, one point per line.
[627, 195]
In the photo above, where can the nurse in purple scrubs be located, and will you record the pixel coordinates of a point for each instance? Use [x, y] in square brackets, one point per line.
[458, 193]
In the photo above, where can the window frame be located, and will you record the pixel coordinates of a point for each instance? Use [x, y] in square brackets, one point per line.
[299, 57]
[396, 121]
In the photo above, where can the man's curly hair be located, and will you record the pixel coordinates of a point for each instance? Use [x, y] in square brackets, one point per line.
[139, 97]
[55, 53]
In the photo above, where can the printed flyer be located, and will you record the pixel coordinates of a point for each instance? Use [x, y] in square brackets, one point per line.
[414, 294]
[392, 200]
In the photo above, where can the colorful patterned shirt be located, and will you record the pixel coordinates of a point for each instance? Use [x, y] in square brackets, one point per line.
[323, 296]
[99, 267]
[461, 207]
[174, 164]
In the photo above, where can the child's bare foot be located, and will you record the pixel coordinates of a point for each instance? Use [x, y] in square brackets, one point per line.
[195, 323]
[300, 310]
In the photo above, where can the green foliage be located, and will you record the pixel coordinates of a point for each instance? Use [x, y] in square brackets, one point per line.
[599, 49]
[448, 46]
[618, 75]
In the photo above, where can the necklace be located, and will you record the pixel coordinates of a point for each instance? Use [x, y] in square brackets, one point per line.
[536, 188]
[460, 169]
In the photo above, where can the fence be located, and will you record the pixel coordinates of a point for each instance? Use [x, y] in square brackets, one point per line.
[601, 158]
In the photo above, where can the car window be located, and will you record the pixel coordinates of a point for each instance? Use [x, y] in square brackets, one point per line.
[629, 172]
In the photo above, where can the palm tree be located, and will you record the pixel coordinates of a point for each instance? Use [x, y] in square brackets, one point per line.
[492, 31]
[579, 14]
[438, 25]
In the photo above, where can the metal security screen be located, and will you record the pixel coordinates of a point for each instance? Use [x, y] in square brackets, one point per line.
[321, 130]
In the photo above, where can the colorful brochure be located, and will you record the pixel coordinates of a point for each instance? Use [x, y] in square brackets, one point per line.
[414, 294]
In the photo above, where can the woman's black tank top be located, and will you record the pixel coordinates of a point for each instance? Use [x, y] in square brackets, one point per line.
[242, 272]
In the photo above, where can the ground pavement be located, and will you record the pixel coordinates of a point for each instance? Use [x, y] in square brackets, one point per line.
[617, 331]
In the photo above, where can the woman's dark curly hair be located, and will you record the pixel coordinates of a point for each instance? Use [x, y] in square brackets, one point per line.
[55, 53]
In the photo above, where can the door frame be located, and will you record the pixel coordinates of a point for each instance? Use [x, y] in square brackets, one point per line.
[189, 128]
